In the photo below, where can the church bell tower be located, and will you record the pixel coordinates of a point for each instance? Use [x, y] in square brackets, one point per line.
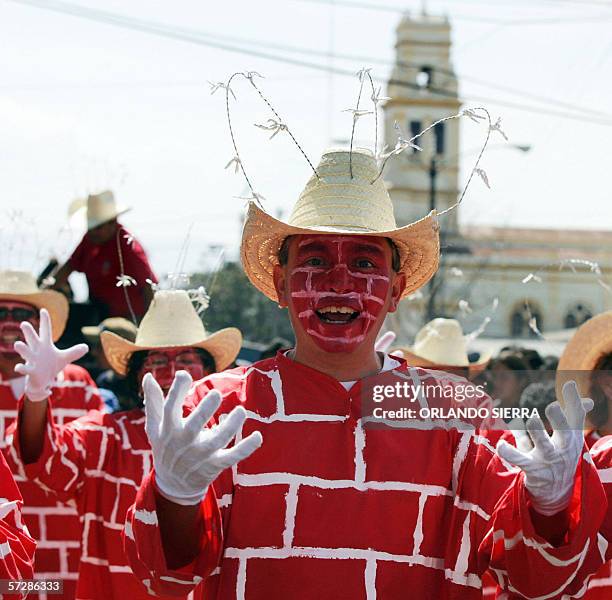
[423, 89]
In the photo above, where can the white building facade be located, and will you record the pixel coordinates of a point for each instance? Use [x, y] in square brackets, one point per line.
[478, 264]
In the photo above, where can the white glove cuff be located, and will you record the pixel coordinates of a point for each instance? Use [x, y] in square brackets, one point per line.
[183, 500]
[552, 506]
[37, 395]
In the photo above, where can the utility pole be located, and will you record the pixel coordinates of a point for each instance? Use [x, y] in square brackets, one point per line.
[433, 174]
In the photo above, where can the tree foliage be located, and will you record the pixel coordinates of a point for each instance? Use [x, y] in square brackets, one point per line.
[235, 302]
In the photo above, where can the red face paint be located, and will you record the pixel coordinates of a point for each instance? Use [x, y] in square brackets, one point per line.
[163, 365]
[11, 315]
[338, 286]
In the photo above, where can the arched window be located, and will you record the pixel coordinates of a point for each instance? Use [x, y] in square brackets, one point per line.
[576, 315]
[520, 317]
[424, 76]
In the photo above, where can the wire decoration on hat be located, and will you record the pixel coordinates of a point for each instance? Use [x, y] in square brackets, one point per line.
[123, 280]
[179, 279]
[469, 337]
[275, 125]
[357, 114]
[569, 263]
[21, 247]
[403, 143]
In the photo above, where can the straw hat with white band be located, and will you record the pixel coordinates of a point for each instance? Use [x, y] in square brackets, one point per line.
[172, 322]
[441, 343]
[333, 203]
[591, 342]
[20, 286]
[100, 208]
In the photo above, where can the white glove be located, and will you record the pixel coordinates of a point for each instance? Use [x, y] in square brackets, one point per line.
[43, 360]
[187, 456]
[550, 464]
[383, 343]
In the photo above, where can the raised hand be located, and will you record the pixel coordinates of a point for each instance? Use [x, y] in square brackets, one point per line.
[550, 464]
[383, 343]
[43, 360]
[188, 456]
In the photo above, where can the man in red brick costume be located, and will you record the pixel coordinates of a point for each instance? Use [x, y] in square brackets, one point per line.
[99, 460]
[310, 502]
[53, 524]
[16, 545]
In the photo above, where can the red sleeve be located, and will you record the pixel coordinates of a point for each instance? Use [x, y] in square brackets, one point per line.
[602, 458]
[16, 546]
[78, 257]
[66, 452]
[142, 537]
[135, 260]
[78, 392]
[523, 562]
[144, 550]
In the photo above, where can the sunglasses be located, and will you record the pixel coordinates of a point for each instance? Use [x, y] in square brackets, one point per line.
[17, 314]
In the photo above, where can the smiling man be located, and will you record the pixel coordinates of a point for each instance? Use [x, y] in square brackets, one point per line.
[310, 501]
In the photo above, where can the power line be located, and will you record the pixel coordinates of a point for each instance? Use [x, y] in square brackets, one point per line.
[381, 61]
[461, 17]
[348, 57]
[197, 38]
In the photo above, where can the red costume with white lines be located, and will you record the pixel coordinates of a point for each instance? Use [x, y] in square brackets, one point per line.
[600, 585]
[98, 461]
[329, 509]
[16, 546]
[53, 524]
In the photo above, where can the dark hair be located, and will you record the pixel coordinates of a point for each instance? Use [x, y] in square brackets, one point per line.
[601, 411]
[550, 363]
[530, 356]
[538, 395]
[135, 364]
[283, 253]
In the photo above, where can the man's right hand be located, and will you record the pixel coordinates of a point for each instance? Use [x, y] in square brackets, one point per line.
[188, 456]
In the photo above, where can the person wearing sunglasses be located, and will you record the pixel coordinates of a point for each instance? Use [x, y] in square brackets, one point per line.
[100, 460]
[55, 526]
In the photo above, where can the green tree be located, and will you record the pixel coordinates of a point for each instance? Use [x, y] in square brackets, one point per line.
[235, 302]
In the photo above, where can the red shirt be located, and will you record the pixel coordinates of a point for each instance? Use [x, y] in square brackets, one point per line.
[328, 508]
[98, 462]
[600, 585]
[53, 524]
[101, 266]
[16, 546]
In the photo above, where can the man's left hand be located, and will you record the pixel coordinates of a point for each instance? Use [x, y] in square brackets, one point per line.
[550, 465]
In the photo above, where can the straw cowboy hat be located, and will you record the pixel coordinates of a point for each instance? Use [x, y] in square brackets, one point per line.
[100, 208]
[336, 203]
[20, 286]
[441, 343]
[172, 322]
[591, 342]
[117, 325]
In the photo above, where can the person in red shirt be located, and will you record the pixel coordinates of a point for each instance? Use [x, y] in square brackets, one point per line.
[314, 501]
[106, 254]
[314, 498]
[16, 545]
[53, 524]
[99, 461]
[600, 585]
[588, 358]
